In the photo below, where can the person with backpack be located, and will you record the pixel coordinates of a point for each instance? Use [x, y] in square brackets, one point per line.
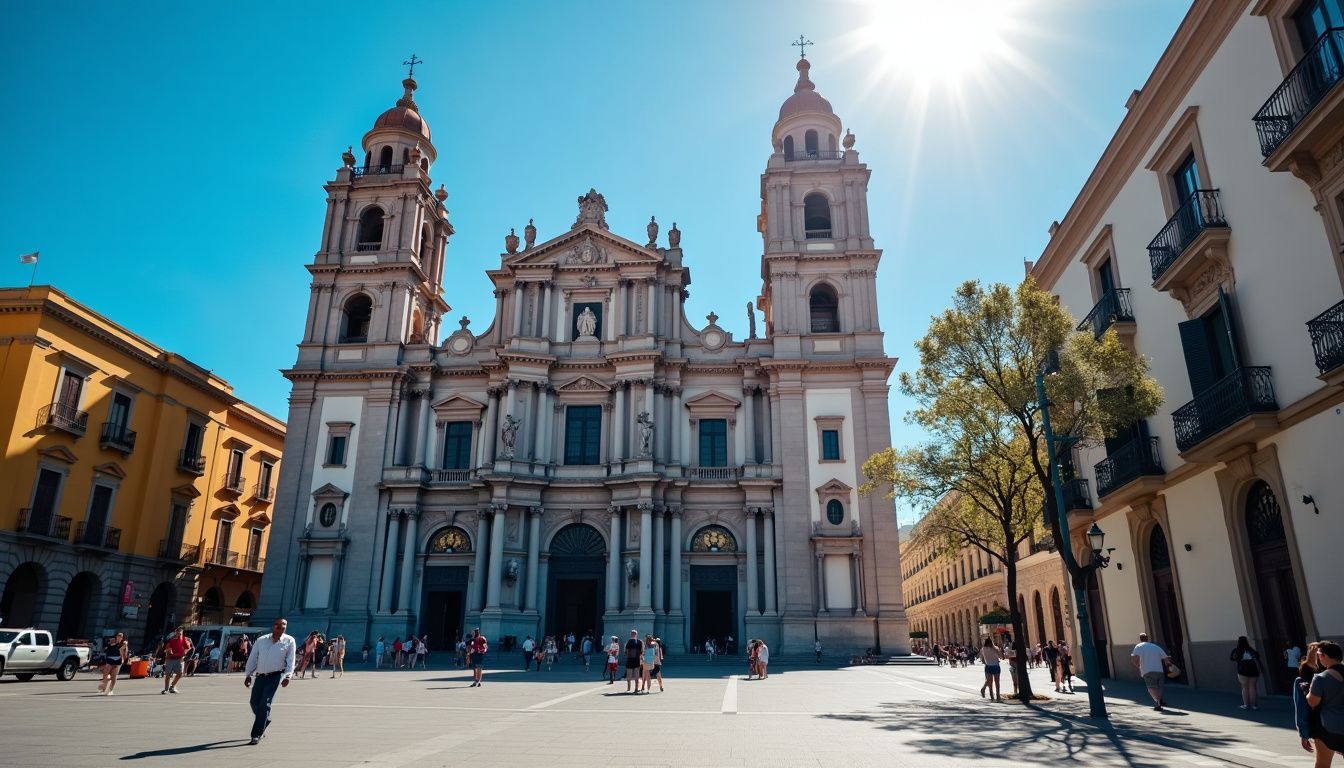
[1325, 696]
[1247, 660]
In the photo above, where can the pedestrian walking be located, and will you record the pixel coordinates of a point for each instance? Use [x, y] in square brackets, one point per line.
[1065, 666]
[1009, 655]
[613, 651]
[1051, 654]
[1152, 663]
[1325, 695]
[271, 662]
[634, 653]
[762, 659]
[658, 662]
[751, 659]
[1303, 716]
[817, 648]
[528, 648]
[1247, 661]
[365, 653]
[175, 649]
[648, 658]
[422, 652]
[114, 656]
[309, 659]
[337, 654]
[240, 654]
[990, 656]
[460, 652]
[477, 649]
[552, 651]
[586, 650]
[379, 648]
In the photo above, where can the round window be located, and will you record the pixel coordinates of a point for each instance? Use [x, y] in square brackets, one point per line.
[835, 512]
[328, 515]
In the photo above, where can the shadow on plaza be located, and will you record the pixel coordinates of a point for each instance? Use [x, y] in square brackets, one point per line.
[964, 731]
[173, 751]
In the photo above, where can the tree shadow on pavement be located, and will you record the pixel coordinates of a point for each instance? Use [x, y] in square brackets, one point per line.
[171, 751]
[1011, 732]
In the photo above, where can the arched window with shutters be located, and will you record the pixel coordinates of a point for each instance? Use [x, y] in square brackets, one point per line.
[824, 309]
[816, 217]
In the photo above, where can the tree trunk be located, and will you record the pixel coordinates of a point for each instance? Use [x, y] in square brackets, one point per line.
[1019, 660]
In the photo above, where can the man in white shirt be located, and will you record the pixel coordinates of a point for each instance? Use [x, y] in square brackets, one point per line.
[1151, 661]
[528, 648]
[272, 663]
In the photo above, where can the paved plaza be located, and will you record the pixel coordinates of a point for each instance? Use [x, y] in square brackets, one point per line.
[900, 714]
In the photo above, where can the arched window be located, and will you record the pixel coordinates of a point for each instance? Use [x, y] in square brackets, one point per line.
[245, 602]
[370, 229]
[835, 512]
[355, 317]
[425, 243]
[714, 538]
[830, 142]
[385, 159]
[1040, 617]
[824, 307]
[810, 143]
[405, 155]
[816, 217]
[368, 158]
[449, 541]
[788, 147]
[424, 164]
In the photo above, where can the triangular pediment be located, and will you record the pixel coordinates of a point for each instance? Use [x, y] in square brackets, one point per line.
[59, 453]
[711, 399]
[111, 469]
[834, 487]
[585, 246]
[185, 491]
[226, 512]
[328, 491]
[258, 521]
[584, 384]
[458, 402]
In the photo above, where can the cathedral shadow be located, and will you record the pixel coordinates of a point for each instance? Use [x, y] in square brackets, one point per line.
[1013, 732]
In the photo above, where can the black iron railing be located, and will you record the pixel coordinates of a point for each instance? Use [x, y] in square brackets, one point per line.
[825, 324]
[1133, 460]
[253, 562]
[1077, 495]
[215, 556]
[103, 537]
[190, 461]
[1233, 398]
[1319, 71]
[234, 483]
[375, 170]
[1327, 337]
[814, 154]
[367, 247]
[1202, 211]
[1113, 308]
[263, 492]
[175, 550]
[817, 234]
[116, 435]
[64, 417]
[43, 524]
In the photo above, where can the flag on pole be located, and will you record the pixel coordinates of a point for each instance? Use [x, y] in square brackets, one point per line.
[28, 258]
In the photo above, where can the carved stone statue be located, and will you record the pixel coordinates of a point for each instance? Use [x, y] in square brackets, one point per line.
[348, 158]
[511, 569]
[751, 321]
[586, 323]
[586, 252]
[508, 436]
[511, 242]
[645, 423]
[674, 236]
[652, 229]
[632, 570]
[592, 210]
[529, 235]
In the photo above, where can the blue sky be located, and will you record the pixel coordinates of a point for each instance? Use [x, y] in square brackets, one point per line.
[168, 158]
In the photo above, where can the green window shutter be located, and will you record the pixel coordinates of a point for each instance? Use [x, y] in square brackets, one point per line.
[1198, 356]
[1229, 326]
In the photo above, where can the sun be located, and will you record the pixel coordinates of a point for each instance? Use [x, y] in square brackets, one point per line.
[935, 42]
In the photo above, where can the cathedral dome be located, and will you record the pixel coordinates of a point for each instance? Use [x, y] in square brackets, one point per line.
[805, 97]
[405, 116]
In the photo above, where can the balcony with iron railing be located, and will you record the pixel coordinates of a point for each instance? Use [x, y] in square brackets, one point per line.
[63, 417]
[176, 551]
[1236, 400]
[1327, 338]
[813, 154]
[263, 492]
[1077, 494]
[45, 525]
[1114, 307]
[368, 171]
[253, 563]
[368, 247]
[817, 234]
[1296, 102]
[116, 436]
[1176, 253]
[232, 484]
[714, 474]
[225, 557]
[451, 476]
[1137, 458]
[190, 461]
[98, 537]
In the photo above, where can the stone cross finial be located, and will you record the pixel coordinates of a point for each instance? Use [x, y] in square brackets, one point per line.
[712, 318]
[802, 44]
[411, 64]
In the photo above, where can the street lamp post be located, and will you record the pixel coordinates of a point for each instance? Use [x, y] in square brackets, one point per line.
[1078, 573]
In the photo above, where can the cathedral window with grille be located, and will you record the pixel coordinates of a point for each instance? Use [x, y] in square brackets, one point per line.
[583, 434]
[457, 445]
[824, 308]
[713, 443]
[816, 216]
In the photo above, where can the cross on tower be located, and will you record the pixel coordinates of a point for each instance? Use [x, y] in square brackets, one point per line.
[411, 63]
[802, 44]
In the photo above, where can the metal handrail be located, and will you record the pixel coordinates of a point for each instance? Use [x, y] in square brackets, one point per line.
[1134, 459]
[814, 154]
[191, 462]
[1077, 495]
[816, 234]
[231, 482]
[63, 416]
[253, 562]
[376, 170]
[216, 556]
[1113, 307]
[1327, 337]
[1315, 75]
[715, 473]
[116, 434]
[106, 537]
[263, 492]
[1201, 211]
[1235, 396]
[52, 526]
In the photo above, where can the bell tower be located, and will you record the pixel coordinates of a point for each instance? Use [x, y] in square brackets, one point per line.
[819, 265]
[377, 278]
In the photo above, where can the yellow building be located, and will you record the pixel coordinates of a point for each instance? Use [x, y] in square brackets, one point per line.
[135, 488]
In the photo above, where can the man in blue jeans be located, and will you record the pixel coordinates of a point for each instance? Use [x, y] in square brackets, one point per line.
[272, 663]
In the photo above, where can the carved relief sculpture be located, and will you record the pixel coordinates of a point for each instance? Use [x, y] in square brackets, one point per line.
[508, 436]
[592, 210]
[632, 571]
[645, 423]
[586, 324]
[511, 569]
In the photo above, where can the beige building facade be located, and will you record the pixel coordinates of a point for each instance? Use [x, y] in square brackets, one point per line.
[1208, 237]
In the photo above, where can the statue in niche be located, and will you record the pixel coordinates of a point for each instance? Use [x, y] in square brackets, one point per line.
[632, 571]
[751, 321]
[645, 423]
[511, 570]
[508, 436]
[586, 323]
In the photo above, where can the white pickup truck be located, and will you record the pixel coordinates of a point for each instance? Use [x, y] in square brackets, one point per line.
[28, 652]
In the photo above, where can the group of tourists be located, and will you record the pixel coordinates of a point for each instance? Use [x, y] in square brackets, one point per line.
[758, 659]
[400, 654]
[318, 652]
[643, 661]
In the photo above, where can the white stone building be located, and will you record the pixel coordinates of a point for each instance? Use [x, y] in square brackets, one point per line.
[592, 460]
[1208, 236]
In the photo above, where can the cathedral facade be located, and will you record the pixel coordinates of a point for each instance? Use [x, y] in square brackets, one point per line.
[593, 460]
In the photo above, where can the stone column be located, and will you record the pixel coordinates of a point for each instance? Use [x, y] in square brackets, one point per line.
[478, 581]
[408, 561]
[489, 429]
[545, 423]
[519, 290]
[533, 556]
[749, 423]
[545, 310]
[769, 442]
[855, 587]
[680, 451]
[752, 608]
[821, 585]
[645, 555]
[658, 560]
[493, 585]
[432, 459]
[614, 561]
[860, 594]
[770, 594]
[426, 415]
[562, 330]
[675, 565]
[526, 444]
[619, 426]
[651, 326]
[390, 559]
[615, 325]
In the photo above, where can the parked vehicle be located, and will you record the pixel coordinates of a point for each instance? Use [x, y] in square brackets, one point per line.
[28, 652]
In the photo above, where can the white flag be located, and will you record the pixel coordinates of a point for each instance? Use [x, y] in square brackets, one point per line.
[28, 258]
